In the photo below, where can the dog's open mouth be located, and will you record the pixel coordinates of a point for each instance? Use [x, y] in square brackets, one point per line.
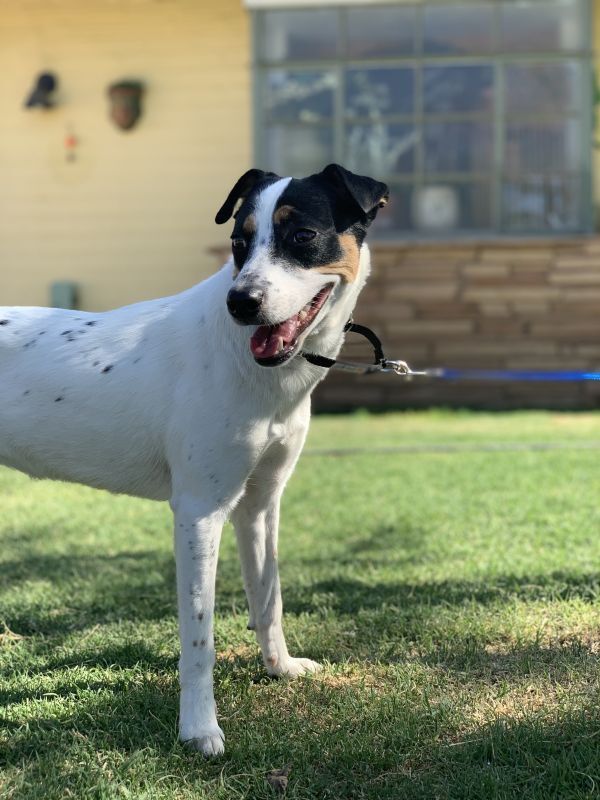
[271, 345]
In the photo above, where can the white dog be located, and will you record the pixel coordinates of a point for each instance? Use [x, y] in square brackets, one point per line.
[170, 399]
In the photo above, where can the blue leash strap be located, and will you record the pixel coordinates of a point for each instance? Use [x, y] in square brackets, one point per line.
[557, 376]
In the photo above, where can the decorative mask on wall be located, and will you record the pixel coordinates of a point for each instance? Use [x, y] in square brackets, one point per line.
[39, 97]
[125, 103]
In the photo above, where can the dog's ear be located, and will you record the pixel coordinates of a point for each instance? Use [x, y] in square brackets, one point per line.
[240, 191]
[366, 194]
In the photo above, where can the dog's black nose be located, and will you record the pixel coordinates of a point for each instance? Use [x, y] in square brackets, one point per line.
[244, 305]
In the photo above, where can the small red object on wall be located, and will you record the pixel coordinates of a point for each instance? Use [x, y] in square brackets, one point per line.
[71, 146]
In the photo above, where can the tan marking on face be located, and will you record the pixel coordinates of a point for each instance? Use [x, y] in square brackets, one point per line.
[347, 266]
[249, 226]
[283, 212]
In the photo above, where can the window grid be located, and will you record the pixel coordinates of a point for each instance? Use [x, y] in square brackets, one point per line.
[419, 61]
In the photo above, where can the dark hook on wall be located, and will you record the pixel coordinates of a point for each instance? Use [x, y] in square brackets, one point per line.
[39, 97]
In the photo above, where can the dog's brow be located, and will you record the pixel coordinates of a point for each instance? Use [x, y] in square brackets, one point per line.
[282, 213]
[249, 225]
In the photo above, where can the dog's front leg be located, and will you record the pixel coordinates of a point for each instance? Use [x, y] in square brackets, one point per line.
[197, 535]
[256, 521]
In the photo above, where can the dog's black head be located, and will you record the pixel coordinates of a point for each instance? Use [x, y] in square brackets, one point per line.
[294, 241]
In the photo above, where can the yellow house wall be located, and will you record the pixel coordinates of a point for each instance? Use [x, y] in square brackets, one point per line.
[133, 216]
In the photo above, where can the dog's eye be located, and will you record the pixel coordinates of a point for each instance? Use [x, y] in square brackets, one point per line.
[303, 235]
[238, 243]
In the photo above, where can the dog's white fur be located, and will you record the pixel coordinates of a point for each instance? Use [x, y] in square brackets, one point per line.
[163, 400]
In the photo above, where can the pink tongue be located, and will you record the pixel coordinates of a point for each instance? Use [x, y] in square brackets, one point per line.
[265, 341]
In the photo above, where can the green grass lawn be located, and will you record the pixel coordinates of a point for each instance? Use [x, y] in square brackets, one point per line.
[452, 597]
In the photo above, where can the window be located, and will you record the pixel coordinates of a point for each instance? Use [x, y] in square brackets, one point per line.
[477, 114]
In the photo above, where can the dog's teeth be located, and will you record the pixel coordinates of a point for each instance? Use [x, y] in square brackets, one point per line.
[280, 344]
[303, 315]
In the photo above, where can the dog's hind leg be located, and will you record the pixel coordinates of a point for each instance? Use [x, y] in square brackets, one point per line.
[197, 536]
[256, 521]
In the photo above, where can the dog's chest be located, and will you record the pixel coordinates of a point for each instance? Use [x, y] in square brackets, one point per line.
[278, 431]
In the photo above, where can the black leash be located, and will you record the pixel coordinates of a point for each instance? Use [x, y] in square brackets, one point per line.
[401, 368]
[380, 363]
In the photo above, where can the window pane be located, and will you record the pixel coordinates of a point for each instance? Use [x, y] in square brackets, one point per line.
[373, 93]
[381, 32]
[380, 150]
[298, 150]
[550, 88]
[300, 95]
[458, 146]
[551, 25]
[458, 89]
[446, 207]
[538, 203]
[457, 29]
[298, 35]
[543, 147]
[397, 215]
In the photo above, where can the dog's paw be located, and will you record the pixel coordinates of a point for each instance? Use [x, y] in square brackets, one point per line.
[210, 744]
[293, 667]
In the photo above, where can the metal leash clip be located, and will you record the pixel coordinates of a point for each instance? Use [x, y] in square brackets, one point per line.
[399, 367]
[403, 369]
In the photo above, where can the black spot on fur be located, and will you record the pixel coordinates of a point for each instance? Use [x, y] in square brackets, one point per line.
[30, 343]
[137, 360]
[90, 323]
[41, 333]
[26, 392]
[66, 333]
[108, 368]
[4, 321]
[58, 399]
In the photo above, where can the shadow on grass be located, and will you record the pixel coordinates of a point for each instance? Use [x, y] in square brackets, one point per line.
[90, 589]
[140, 586]
[350, 596]
[341, 746]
